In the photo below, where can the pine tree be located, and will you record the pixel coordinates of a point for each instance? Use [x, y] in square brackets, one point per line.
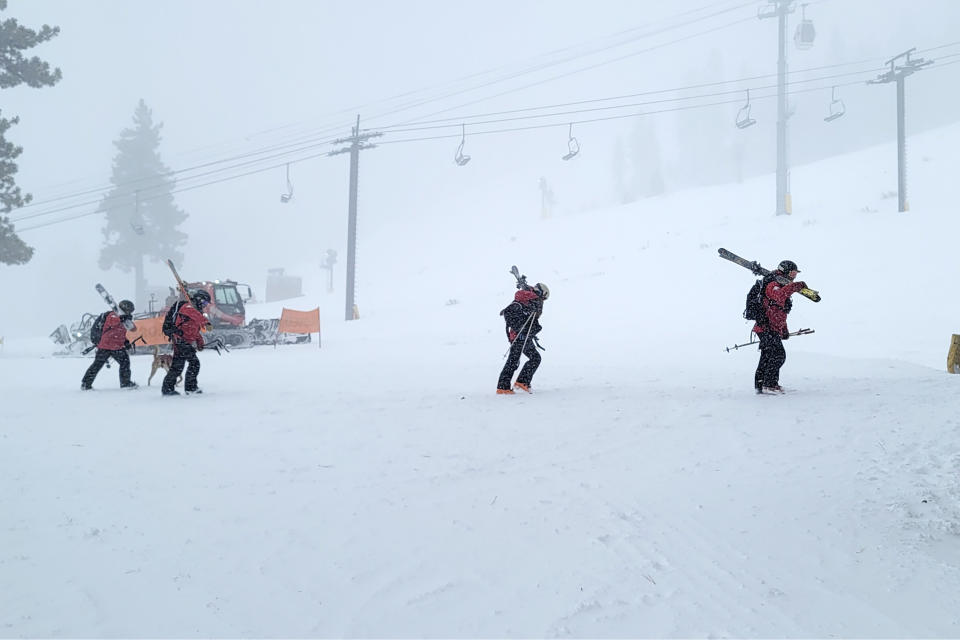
[16, 70]
[141, 215]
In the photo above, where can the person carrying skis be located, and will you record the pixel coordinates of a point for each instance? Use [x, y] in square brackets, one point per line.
[186, 338]
[773, 329]
[113, 343]
[523, 324]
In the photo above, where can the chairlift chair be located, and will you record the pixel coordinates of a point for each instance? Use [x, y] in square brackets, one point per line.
[460, 158]
[837, 108]
[805, 34]
[288, 196]
[743, 115]
[573, 147]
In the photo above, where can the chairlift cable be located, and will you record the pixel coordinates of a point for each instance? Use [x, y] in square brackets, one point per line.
[575, 71]
[629, 115]
[942, 46]
[540, 66]
[330, 128]
[101, 210]
[309, 142]
[175, 191]
[498, 121]
[162, 184]
[638, 104]
[643, 93]
[161, 178]
[572, 58]
[439, 137]
[322, 143]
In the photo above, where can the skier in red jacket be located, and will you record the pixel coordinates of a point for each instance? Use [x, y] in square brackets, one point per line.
[523, 324]
[773, 331]
[186, 342]
[113, 344]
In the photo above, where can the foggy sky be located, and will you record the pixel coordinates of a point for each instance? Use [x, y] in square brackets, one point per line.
[228, 77]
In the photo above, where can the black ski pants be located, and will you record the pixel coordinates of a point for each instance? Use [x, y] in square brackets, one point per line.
[183, 353]
[513, 361]
[100, 359]
[772, 357]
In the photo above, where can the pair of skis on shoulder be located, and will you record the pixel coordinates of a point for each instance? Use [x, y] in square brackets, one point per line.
[757, 270]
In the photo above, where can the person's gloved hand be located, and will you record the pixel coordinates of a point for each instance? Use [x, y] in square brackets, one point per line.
[785, 335]
[756, 268]
[803, 285]
[126, 344]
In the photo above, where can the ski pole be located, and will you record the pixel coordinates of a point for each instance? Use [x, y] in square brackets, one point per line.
[745, 344]
[216, 345]
[527, 337]
[799, 332]
[522, 327]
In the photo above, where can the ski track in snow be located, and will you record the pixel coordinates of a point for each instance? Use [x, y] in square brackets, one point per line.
[736, 515]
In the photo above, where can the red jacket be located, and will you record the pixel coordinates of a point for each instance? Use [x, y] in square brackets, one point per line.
[114, 333]
[774, 298]
[190, 321]
[517, 314]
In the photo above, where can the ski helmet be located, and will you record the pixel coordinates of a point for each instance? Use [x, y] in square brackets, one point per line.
[126, 306]
[201, 298]
[787, 266]
[541, 290]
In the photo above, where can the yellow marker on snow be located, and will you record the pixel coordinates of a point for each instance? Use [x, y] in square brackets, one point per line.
[953, 355]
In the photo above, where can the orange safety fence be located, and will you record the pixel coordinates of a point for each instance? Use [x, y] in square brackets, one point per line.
[299, 321]
[151, 329]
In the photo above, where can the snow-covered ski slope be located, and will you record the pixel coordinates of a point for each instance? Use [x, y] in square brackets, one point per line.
[378, 487]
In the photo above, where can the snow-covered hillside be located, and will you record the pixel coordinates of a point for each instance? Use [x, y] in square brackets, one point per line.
[378, 487]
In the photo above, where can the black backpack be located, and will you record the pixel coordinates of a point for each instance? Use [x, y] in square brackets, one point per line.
[754, 309]
[96, 331]
[170, 320]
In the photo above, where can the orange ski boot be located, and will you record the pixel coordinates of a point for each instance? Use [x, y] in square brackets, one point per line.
[522, 387]
[504, 391]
